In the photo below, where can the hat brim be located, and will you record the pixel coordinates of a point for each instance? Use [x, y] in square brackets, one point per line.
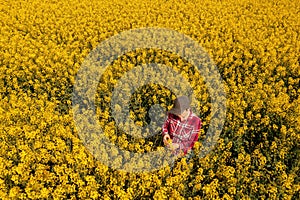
[175, 111]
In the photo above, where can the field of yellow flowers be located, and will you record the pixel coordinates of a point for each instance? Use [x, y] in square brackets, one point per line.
[255, 46]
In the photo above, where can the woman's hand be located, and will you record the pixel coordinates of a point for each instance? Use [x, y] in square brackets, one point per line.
[168, 142]
[173, 147]
[166, 139]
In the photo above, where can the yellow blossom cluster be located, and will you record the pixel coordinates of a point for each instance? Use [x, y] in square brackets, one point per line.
[255, 46]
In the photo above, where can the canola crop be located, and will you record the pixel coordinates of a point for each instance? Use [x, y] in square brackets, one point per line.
[255, 46]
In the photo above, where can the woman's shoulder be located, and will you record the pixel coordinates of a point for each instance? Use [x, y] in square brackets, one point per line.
[193, 115]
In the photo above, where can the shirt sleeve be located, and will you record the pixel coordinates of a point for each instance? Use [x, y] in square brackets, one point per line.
[165, 127]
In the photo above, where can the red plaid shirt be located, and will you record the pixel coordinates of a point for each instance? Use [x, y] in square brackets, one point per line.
[185, 133]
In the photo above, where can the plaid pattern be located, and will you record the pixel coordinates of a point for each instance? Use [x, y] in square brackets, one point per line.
[185, 133]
